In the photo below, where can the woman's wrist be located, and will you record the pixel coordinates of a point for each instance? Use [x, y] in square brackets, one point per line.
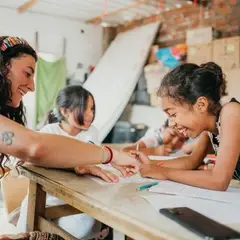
[107, 155]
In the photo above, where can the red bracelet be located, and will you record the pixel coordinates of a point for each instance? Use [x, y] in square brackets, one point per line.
[111, 155]
[160, 163]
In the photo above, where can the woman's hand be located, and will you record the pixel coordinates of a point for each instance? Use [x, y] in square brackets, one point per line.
[153, 171]
[126, 160]
[125, 171]
[98, 172]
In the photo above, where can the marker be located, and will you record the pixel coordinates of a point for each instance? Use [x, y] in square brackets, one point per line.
[146, 186]
[160, 164]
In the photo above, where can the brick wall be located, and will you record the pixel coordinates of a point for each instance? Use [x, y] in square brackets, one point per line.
[223, 16]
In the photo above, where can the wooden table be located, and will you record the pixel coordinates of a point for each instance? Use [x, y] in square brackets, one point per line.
[117, 205]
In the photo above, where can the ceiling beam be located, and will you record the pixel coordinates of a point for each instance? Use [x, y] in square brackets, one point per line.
[163, 16]
[25, 6]
[133, 5]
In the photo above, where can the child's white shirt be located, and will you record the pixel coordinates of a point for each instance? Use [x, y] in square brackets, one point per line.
[88, 136]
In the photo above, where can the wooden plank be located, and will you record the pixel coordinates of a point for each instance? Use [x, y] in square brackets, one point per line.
[48, 226]
[25, 6]
[60, 211]
[36, 205]
[133, 5]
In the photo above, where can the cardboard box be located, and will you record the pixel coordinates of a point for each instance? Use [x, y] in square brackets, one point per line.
[154, 100]
[202, 35]
[154, 74]
[226, 52]
[200, 53]
[152, 55]
[233, 83]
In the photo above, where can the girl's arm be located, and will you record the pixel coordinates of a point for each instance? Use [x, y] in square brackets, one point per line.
[51, 150]
[161, 150]
[228, 155]
[189, 147]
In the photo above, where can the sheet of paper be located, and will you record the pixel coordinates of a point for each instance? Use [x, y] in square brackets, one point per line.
[136, 178]
[162, 157]
[232, 195]
[224, 213]
[154, 157]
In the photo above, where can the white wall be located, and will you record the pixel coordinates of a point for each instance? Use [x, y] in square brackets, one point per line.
[85, 48]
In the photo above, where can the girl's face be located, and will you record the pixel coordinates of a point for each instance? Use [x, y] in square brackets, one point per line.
[88, 116]
[189, 120]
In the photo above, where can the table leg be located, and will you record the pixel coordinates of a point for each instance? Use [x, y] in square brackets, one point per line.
[36, 205]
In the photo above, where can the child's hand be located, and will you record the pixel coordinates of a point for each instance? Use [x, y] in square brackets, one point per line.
[141, 157]
[152, 171]
[174, 138]
[98, 172]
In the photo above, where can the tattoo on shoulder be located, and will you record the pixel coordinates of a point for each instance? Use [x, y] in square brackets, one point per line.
[7, 137]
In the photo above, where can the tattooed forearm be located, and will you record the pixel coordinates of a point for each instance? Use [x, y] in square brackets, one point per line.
[7, 137]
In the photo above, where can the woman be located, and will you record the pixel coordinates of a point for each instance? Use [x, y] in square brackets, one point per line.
[17, 66]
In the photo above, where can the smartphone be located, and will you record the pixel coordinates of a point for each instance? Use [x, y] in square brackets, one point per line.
[200, 224]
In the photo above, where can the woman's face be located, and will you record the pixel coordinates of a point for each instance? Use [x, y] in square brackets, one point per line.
[21, 76]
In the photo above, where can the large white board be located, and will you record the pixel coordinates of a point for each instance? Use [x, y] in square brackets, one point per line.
[115, 77]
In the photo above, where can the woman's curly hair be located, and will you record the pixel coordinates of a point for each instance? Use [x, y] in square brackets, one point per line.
[15, 114]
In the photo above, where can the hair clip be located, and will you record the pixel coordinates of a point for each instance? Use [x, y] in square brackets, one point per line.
[11, 42]
[55, 112]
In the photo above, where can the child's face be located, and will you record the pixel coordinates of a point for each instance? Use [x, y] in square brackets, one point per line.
[88, 113]
[88, 116]
[189, 120]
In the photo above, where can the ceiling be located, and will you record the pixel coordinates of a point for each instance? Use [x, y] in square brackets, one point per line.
[104, 12]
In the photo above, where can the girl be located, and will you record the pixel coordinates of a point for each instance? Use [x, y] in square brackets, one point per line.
[73, 117]
[191, 97]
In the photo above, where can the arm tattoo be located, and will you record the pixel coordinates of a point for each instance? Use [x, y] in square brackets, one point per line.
[7, 137]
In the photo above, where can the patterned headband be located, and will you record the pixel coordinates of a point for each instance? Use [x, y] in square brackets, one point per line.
[11, 42]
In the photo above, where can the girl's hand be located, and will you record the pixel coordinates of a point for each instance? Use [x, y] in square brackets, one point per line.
[153, 171]
[141, 157]
[98, 172]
